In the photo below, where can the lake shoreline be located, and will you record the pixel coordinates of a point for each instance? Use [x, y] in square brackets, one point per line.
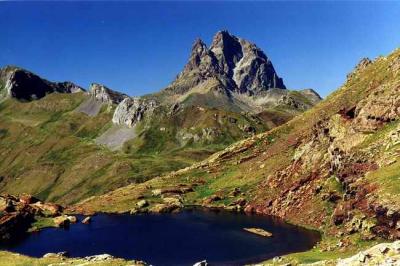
[221, 218]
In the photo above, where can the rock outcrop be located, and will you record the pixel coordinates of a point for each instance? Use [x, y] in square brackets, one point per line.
[18, 213]
[24, 85]
[132, 110]
[105, 95]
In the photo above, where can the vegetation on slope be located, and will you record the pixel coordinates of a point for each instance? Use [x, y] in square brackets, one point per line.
[50, 151]
[333, 168]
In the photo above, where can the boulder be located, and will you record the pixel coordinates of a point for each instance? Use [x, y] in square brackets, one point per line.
[102, 257]
[142, 203]
[72, 219]
[163, 208]
[62, 221]
[258, 231]
[173, 201]
[63, 254]
[156, 192]
[87, 220]
[211, 199]
[241, 202]
[134, 210]
[201, 263]
[49, 209]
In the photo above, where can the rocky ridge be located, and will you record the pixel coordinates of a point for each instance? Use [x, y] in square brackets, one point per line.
[24, 85]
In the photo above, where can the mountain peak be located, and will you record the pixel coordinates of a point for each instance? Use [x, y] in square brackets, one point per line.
[237, 63]
[228, 50]
[224, 35]
[198, 44]
[200, 57]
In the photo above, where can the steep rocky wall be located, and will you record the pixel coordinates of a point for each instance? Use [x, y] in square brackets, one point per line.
[132, 110]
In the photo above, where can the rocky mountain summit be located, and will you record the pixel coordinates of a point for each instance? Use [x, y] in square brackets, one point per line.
[232, 75]
[235, 75]
[24, 85]
[238, 65]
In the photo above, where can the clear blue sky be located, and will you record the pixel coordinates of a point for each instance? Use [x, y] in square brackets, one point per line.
[139, 47]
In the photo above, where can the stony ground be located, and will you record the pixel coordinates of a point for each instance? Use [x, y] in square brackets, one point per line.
[115, 137]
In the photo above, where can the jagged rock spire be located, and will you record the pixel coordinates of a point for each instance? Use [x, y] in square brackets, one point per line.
[201, 58]
[239, 64]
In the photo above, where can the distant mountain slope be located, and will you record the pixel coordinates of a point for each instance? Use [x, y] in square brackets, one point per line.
[64, 146]
[233, 76]
[334, 168]
[234, 73]
[236, 63]
[24, 85]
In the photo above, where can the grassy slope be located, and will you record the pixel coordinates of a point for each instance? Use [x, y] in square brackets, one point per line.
[263, 166]
[48, 149]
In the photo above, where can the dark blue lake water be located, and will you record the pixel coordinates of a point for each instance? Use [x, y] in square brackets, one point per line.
[173, 239]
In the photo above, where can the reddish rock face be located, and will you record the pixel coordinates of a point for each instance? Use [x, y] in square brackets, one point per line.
[17, 214]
